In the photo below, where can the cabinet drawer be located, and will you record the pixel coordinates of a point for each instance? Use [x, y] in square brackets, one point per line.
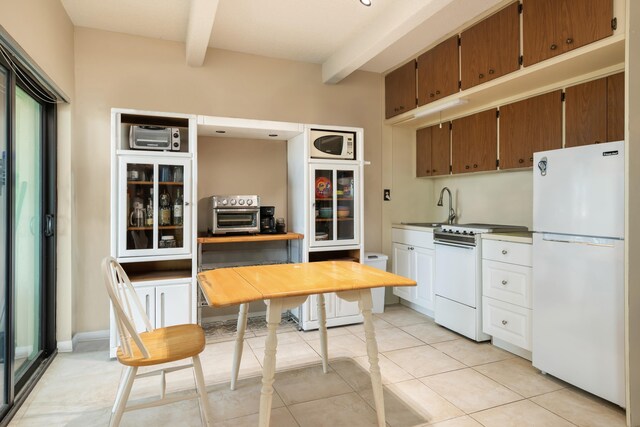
[507, 282]
[507, 322]
[513, 253]
[423, 239]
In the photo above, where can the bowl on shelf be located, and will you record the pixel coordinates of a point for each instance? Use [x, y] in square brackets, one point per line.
[322, 236]
[326, 212]
[344, 181]
[343, 211]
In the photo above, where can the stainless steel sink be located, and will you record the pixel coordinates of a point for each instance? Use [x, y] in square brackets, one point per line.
[424, 224]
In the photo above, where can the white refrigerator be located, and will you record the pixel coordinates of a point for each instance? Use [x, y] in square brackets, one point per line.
[578, 267]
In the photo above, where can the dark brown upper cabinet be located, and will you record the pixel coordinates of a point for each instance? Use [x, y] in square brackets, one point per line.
[553, 27]
[528, 126]
[594, 111]
[432, 150]
[438, 71]
[491, 48]
[474, 145]
[400, 90]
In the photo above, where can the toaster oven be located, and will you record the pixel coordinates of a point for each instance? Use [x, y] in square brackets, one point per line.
[234, 214]
[154, 138]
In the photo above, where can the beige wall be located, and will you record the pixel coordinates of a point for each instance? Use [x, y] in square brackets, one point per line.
[115, 70]
[240, 166]
[43, 29]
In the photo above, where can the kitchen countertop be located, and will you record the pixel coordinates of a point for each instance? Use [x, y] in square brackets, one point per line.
[515, 237]
[414, 227]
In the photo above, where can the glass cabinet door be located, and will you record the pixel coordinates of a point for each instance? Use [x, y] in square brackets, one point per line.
[153, 214]
[335, 211]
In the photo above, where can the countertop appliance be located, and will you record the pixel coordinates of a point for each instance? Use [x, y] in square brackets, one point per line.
[578, 267]
[458, 270]
[234, 214]
[154, 138]
[328, 144]
[267, 220]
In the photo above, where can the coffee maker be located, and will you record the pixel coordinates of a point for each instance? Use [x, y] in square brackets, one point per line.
[267, 220]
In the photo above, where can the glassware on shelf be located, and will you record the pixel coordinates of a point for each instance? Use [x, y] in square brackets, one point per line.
[165, 174]
[149, 219]
[178, 174]
[164, 212]
[178, 209]
[167, 242]
[138, 214]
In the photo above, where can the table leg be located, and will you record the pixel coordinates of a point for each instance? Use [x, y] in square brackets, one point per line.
[274, 312]
[322, 326]
[366, 304]
[237, 353]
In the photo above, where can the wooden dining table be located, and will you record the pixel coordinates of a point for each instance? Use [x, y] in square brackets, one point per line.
[286, 286]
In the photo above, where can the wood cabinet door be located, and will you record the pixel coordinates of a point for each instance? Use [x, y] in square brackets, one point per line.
[474, 142]
[438, 71]
[552, 27]
[400, 90]
[615, 107]
[423, 152]
[586, 113]
[491, 48]
[440, 149]
[528, 126]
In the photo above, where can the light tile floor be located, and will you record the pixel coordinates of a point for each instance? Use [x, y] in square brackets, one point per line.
[431, 377]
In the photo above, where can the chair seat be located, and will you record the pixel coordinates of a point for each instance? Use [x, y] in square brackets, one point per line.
[166, 345]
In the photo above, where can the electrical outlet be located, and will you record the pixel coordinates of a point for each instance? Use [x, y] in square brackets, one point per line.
[386, 195]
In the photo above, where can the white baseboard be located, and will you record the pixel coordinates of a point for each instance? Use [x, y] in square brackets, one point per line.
[65, 346]
[87, 336]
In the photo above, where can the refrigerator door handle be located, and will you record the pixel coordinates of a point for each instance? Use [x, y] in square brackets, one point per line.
[580, 240]
[542, 165]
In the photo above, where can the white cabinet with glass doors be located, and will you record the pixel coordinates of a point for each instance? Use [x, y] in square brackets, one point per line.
[154, 212]
[335, 211]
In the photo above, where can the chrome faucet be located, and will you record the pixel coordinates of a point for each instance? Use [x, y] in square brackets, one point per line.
[452, 213]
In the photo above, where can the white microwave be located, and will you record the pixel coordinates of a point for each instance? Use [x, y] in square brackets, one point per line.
[329, 144]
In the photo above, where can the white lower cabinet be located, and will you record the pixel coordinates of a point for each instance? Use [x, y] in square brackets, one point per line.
[164, 304]
[334, 307]
[506, 295]
[414, 257]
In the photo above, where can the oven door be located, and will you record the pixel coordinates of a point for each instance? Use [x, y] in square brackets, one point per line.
[236, 220]
[457, 273]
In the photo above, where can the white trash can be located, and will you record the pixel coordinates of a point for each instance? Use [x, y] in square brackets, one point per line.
[378, 261]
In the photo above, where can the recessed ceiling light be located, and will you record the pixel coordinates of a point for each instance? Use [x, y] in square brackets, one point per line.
[366, 2]
[221, 131]
[273, 135]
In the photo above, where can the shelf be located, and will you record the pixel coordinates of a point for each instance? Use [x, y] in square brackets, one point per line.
[330, 199]
[250, 238]
[162, 227]
[139, 182]
[160, 275]
[331, 219]
[170, 183]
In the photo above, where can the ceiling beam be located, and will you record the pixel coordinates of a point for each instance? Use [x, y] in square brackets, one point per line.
[201, 16]
[399, 19]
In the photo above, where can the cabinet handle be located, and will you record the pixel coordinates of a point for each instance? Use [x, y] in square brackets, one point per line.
[186, 203]
[475, 166]
[504, 252]
[480, 76]
[569, 40]
[531, 159]
[504, 282]
[491, 71]
[553, 47]
[434, 170]
[431, 95]
[466, 166]
[504, 322]
[437, 92]
[520, 160]
[162, 310]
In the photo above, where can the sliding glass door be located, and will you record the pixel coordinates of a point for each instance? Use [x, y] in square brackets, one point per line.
[27, 233]
[28, 226]
[4, 241]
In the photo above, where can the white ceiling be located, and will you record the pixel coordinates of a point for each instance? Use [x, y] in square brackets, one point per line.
[342, 35]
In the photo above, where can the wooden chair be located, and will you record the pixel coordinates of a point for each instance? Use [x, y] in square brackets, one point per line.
[152, 347]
